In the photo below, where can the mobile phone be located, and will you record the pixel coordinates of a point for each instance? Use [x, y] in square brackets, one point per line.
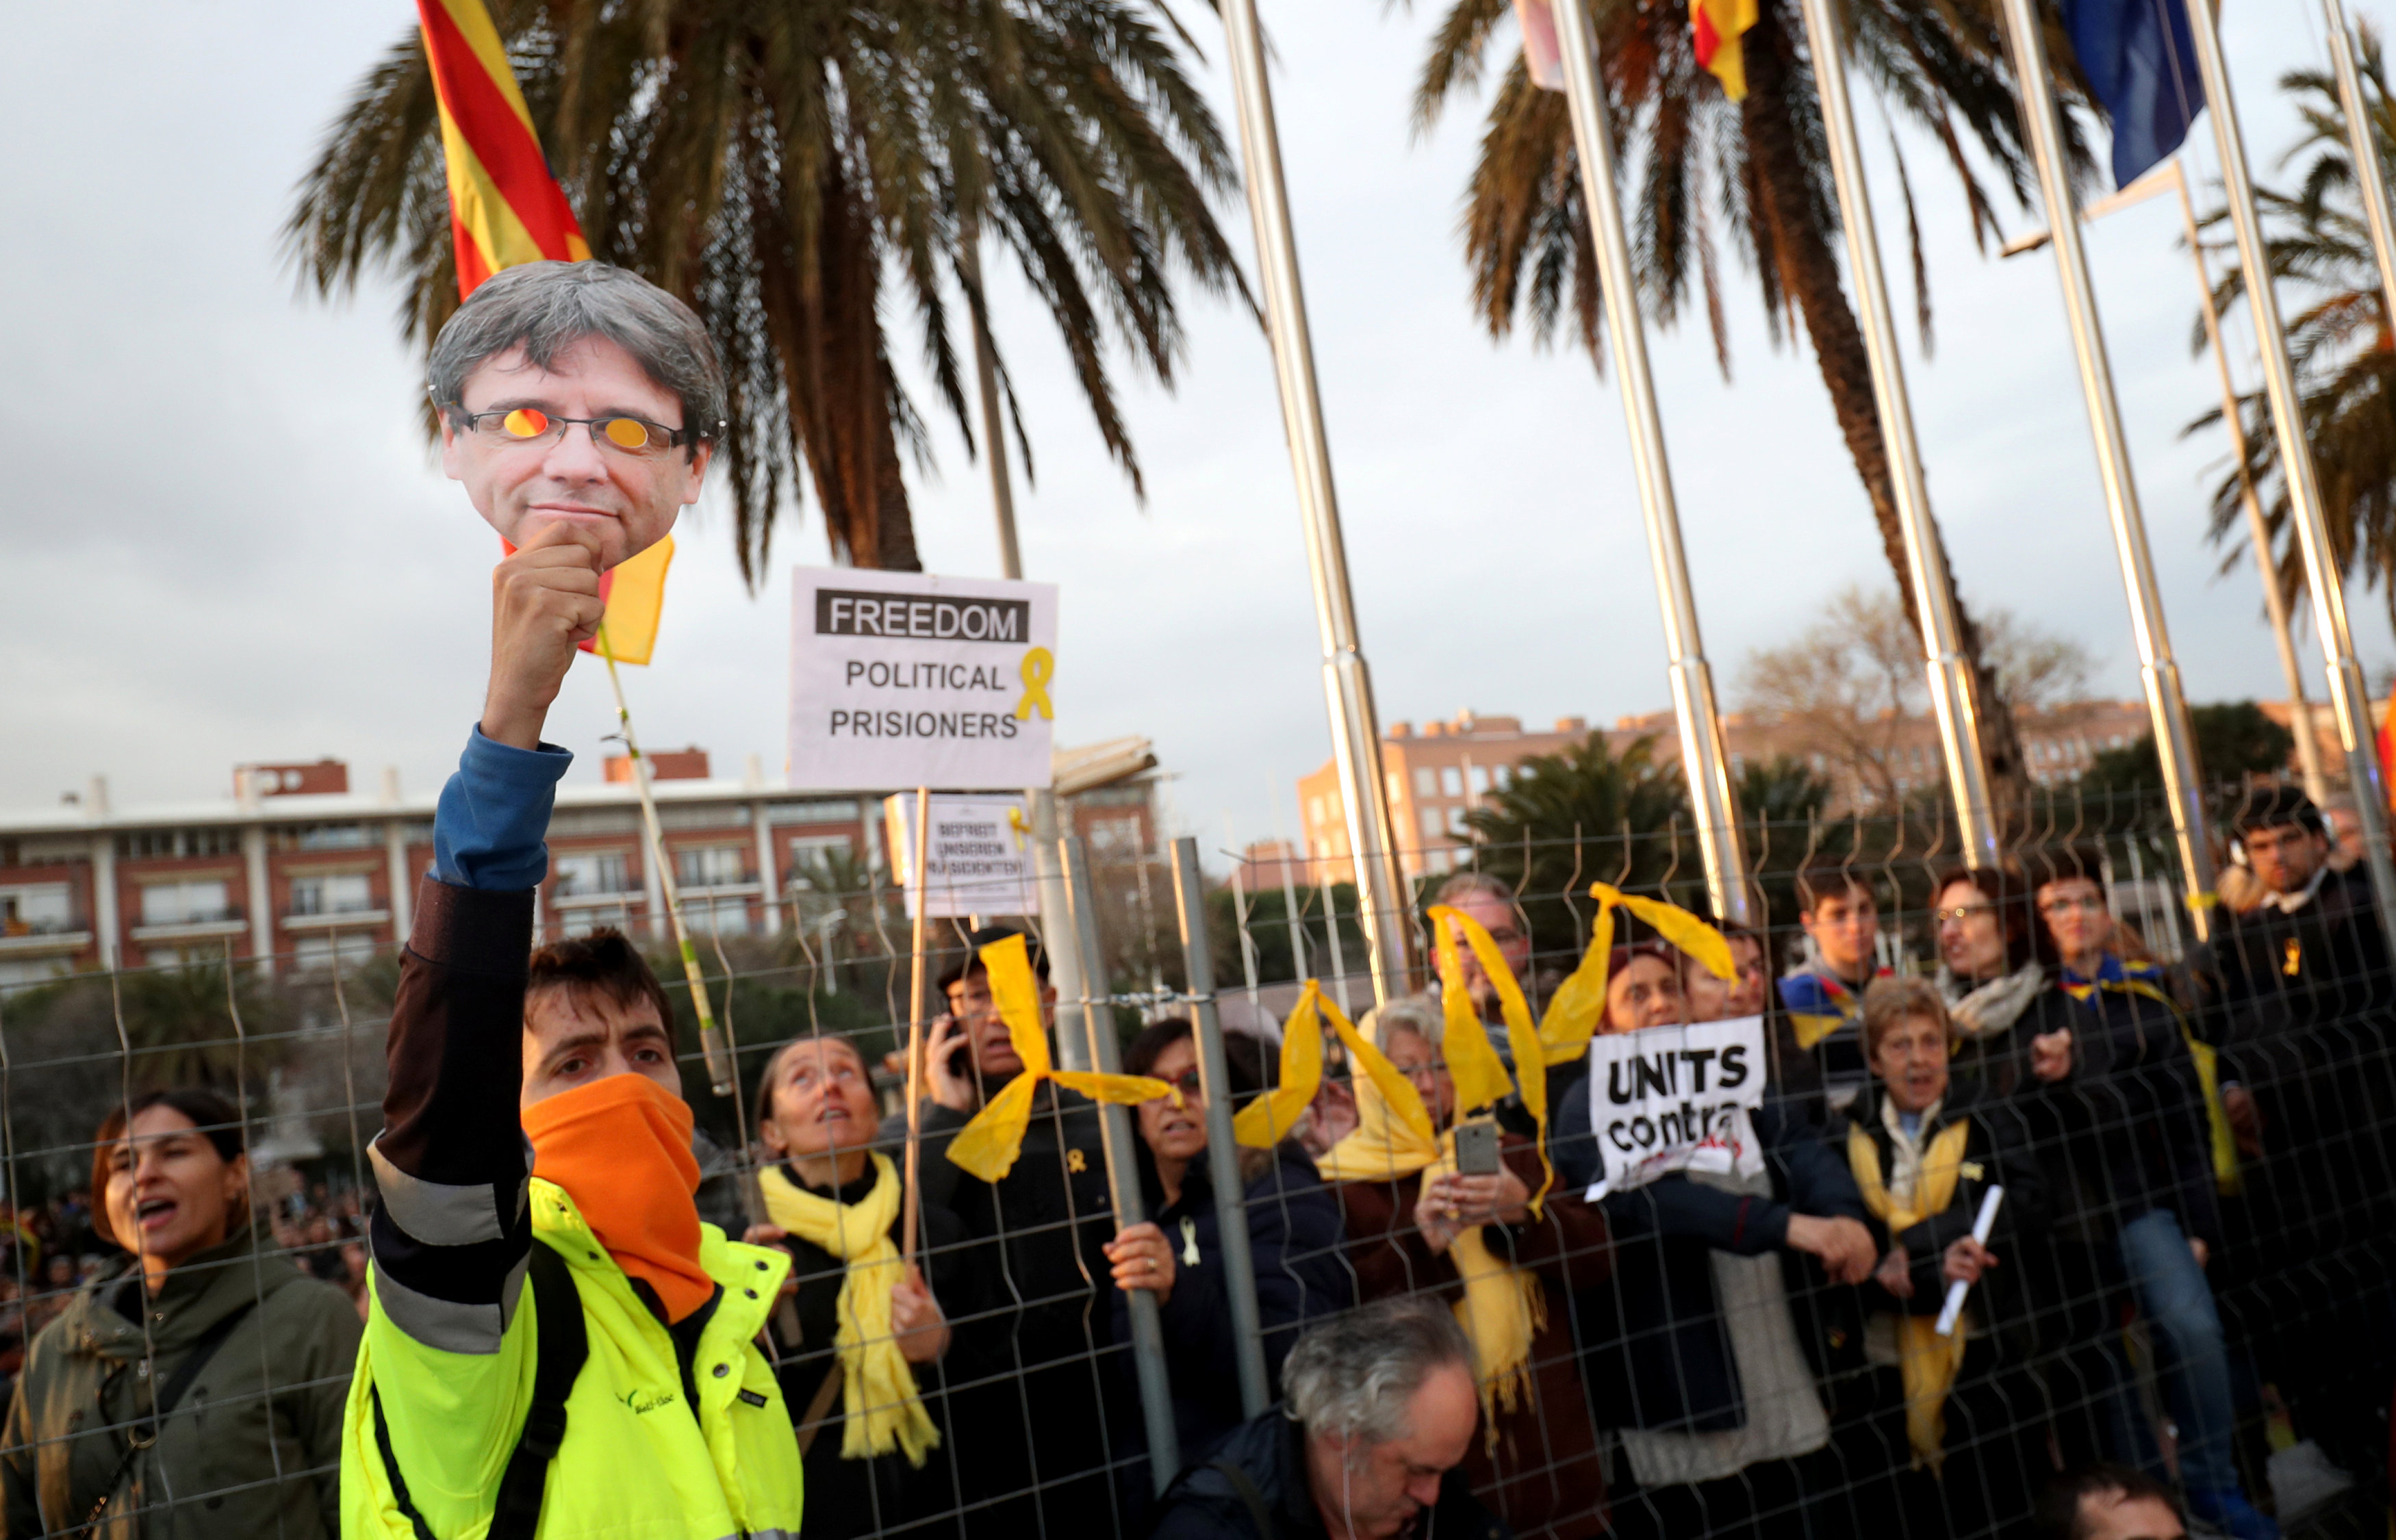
[1476, 1149]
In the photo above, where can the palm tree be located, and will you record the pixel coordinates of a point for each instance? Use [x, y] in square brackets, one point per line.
[2339, 343]
[1757, 170]
[779, 163]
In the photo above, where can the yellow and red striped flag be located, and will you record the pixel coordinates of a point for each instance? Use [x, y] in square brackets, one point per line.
[1719, 26]
[505, 207]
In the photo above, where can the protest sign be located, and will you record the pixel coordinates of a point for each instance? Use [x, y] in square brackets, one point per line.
[979, 857]
[903, 678]
[1675, 1098]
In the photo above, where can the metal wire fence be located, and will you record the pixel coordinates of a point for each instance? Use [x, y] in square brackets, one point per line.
[2193, 1269]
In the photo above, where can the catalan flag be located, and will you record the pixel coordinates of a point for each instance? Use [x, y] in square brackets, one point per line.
[504, 205]
[505, 208]
[1719, 26]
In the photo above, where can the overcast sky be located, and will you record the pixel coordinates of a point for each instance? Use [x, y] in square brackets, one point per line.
[227, 542]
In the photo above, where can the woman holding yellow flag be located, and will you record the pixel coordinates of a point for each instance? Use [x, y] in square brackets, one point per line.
[1952, 1419]
[1510, 1263]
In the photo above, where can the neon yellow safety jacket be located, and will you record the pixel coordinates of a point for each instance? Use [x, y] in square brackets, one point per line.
[636, 1462]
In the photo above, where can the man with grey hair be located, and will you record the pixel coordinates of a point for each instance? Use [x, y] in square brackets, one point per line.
[1382, 1406]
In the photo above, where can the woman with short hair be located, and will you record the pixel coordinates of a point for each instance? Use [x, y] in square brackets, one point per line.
[197, 1388]
[1943, 1435]
[1415, 1224]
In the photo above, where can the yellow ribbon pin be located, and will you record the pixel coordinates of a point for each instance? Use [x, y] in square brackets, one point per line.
[1578, 1004]
[1039, 666]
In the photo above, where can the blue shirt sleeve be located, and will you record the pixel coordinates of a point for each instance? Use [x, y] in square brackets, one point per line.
[489, 831]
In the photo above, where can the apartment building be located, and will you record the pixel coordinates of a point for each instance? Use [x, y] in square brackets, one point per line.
[294, 869]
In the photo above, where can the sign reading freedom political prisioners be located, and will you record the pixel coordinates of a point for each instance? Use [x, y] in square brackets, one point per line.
[902, 679]
[1675, 1098]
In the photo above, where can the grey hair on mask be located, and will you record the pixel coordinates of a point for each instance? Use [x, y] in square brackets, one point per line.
[1351, 1378]
[1420, 1016]
[546, 308]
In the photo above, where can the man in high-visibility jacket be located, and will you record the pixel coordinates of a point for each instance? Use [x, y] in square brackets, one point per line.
[621, 1391]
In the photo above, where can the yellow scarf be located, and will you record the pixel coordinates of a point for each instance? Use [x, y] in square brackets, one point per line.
[1929, 1362]
[988, 1146]
[879, 1408]
[1503, 1306]
[1578, 1004]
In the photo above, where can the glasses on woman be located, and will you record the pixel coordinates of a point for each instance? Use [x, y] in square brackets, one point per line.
[629, 435]
[1961, 914]
[2087, 902]
[1186, 1083]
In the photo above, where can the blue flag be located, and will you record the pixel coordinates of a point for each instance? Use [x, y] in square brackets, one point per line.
[2141, 60]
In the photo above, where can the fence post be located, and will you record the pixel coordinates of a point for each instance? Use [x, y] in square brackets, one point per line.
[1222, 1153]
[1122, 1172]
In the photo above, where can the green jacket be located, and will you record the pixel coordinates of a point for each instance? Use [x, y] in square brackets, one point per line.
[637, 1464]
[252, 1447]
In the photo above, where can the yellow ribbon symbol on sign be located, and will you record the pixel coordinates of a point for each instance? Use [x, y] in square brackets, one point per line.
[1039, 666]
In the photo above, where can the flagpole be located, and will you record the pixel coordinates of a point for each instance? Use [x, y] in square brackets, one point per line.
[1953, 689]
[1383, 895]
[917, 868]
[2371, 183]
[2258, 532]
[1704, 757]
[2158, 669]
[722, 1075]
[2350, 696]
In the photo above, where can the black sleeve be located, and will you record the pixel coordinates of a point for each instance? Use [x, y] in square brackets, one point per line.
[451, 1232]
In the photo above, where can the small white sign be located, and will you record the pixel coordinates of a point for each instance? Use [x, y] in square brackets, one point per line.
[1676, 1098]
[902, 679]
[981, 860]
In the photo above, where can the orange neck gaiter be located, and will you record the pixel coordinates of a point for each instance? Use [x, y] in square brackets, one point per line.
[621, 1147]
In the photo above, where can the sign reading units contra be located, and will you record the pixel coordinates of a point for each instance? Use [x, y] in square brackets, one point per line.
[905, 679]
[1675, 1098]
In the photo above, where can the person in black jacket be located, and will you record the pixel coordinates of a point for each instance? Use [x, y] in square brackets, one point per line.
[881, 1448]
[1718, 1406]
[1946, 1438]
[1370, 1446]
[1294, 1238]
[2307, 1083]
[2130, 1166]
[1039, 1445]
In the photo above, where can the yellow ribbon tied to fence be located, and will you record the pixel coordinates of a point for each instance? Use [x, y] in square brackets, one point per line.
[1265, 1122]
[1580, 1001]
[1481, 1078]
[988, 1146]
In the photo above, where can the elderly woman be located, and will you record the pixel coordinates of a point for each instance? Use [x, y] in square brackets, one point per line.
[1294, 1238]
[1415, 1223]
[1692, 1351]
[861, 1340]
[1951, 1421]
[2131, 1165]
[197, 1389]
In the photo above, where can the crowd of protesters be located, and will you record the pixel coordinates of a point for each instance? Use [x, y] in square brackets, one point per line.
[1473, 1322]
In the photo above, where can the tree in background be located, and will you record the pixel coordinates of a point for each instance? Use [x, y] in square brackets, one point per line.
[1756, 170]
[1850, 682]
[781, 168]
[2339, 342]
[1585, 815]
[2234, 739]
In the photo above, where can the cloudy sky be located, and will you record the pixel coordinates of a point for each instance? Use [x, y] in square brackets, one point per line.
[227, 542]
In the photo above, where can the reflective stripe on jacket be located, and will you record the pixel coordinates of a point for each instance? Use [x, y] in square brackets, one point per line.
[636, 1462]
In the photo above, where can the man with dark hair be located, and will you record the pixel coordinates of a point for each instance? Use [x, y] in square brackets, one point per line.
[2108, 1502]
[2303, 1028]
[632, 1374]
[1039, 1450]
[1824, 993]
[1382, 1410]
